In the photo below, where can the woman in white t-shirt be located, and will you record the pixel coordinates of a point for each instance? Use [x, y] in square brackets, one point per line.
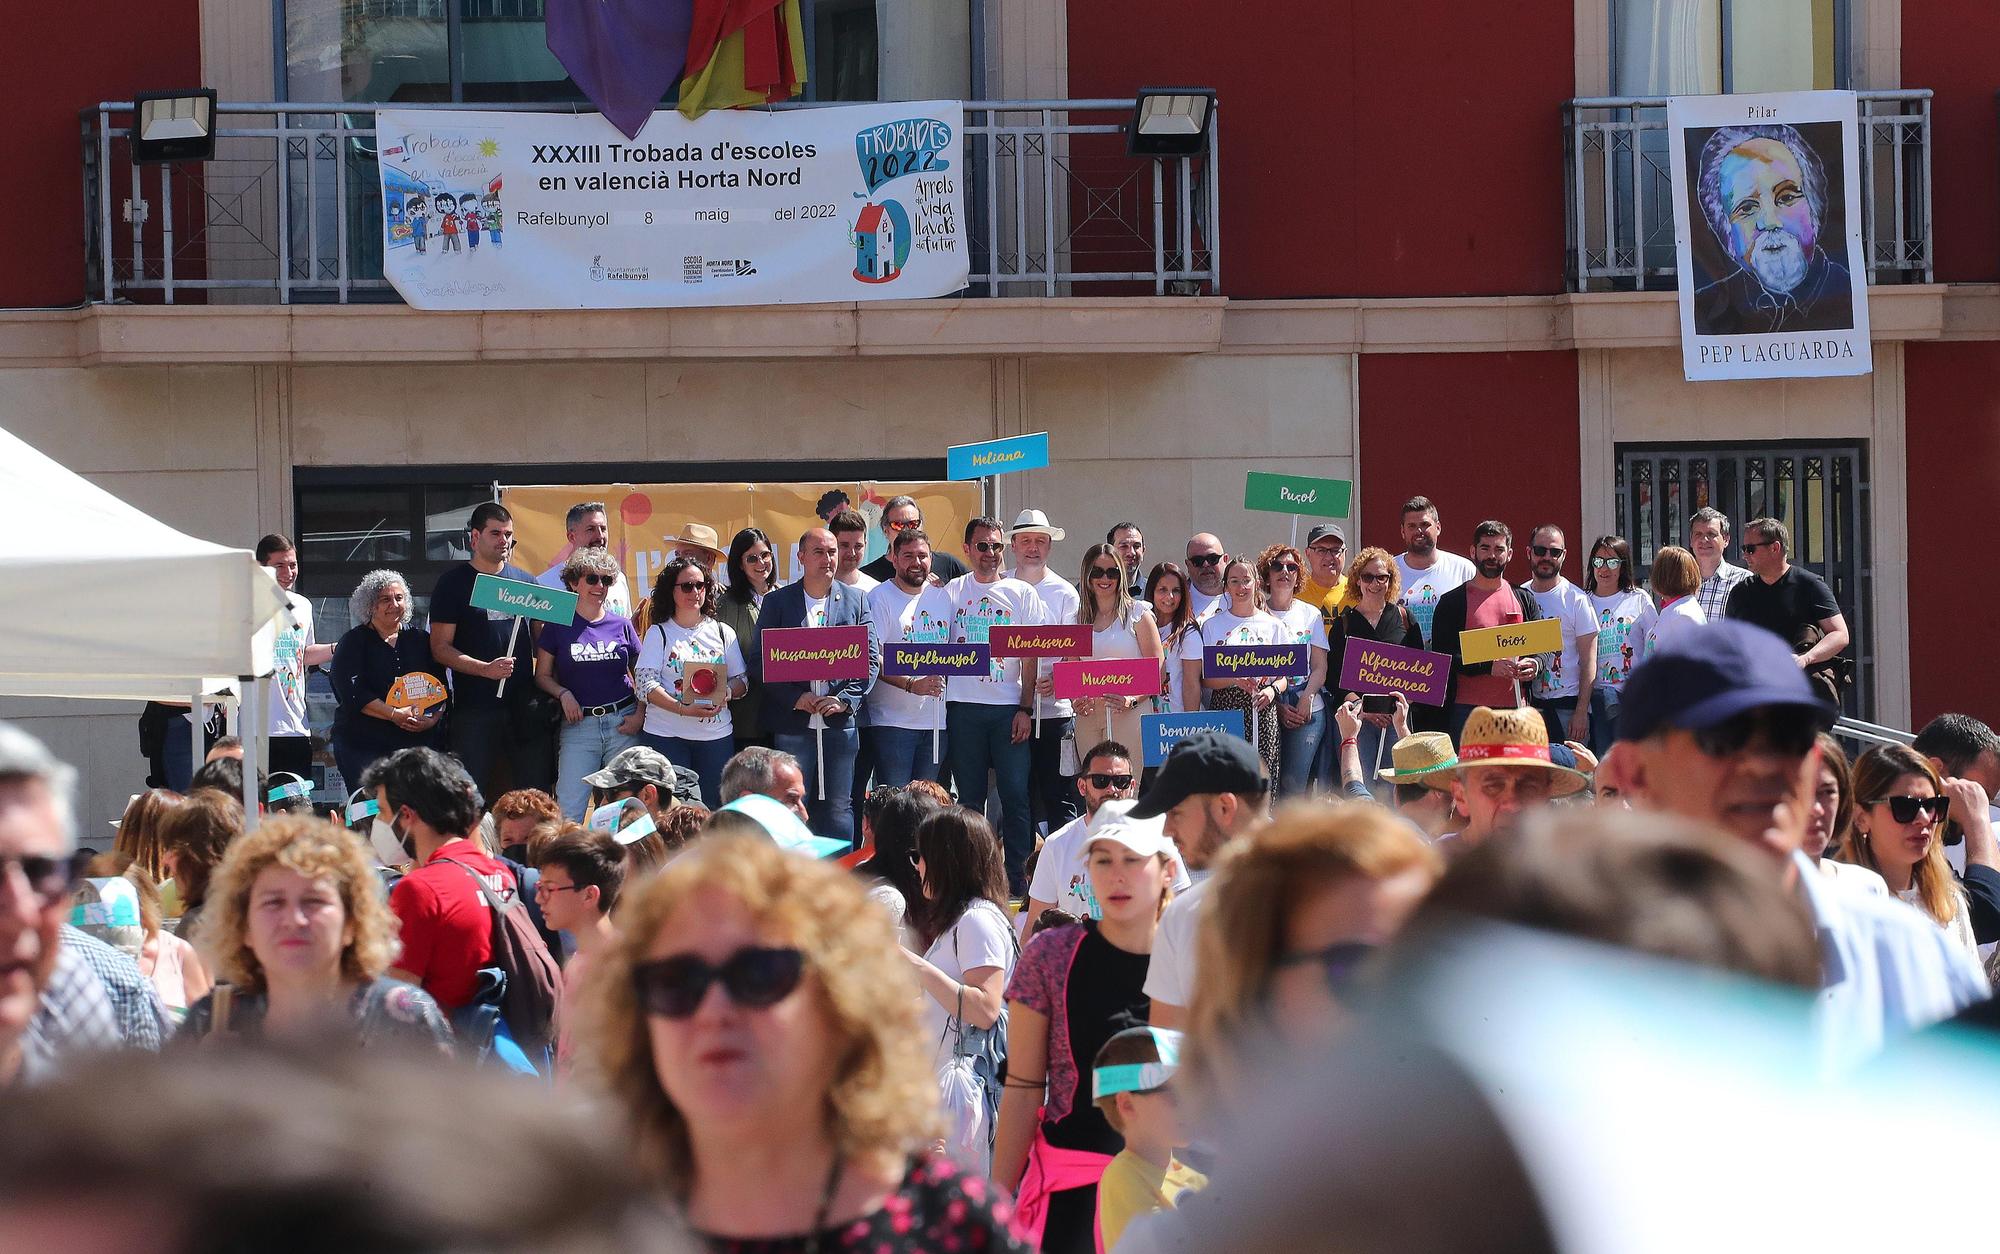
[1173, 618]
[1120, 627]
[968, 956]
[1675, 578]
[1625, 617]
[1301, 715]
[1240, 619]
[690, 726]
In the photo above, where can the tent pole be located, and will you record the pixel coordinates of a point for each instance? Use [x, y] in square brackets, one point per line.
[197, 747]
[246, 723]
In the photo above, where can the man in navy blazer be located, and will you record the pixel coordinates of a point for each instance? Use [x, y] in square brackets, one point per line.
[817, 599]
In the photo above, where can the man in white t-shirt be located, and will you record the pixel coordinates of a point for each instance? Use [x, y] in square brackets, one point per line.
[989, 719]
[294, 652]
[1107, 787]
[1428, 572]
[1562, 690]
[1204, 570]
[1051, 792]
[1210, 790]
[586, 526]
[903, 710]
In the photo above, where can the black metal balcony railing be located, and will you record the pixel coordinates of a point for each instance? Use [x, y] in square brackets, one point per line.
[1620, 221]
[290, 208]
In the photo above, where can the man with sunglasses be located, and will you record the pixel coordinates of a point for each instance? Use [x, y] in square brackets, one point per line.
[1562, 692]
[901, 514]
[989, 719]
[1790, 601]
[51, 1003]
[586, 526]
[1721, 726]
[1205, 556]
[1107, 786]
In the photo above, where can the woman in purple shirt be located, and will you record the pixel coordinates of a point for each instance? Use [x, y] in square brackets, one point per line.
[586, 664]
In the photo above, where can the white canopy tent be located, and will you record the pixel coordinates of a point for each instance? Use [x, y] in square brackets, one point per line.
[99, 599]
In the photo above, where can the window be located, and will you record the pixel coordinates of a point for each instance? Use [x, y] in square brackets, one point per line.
[496, 51]
[1702, 47]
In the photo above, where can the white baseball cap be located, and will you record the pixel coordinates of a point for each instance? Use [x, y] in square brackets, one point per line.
[1144, 837]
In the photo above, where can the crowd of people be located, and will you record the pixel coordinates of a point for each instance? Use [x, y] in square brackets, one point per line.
[908, 963]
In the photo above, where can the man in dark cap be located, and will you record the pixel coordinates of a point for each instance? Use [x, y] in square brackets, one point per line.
[1211, 789]
[1721, 726]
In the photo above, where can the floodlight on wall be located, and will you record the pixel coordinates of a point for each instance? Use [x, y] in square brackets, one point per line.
[1170, 122]
[173, 125]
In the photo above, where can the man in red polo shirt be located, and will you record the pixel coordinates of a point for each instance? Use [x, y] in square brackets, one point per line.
[432, 805]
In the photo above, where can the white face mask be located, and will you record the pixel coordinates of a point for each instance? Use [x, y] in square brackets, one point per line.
[382, 838]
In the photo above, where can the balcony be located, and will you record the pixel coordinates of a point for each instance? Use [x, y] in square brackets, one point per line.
[1619, 232]
[290, 209]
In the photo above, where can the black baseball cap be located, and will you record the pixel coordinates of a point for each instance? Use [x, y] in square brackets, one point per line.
[1209, 763]
[1322, 531]
[1710, 675]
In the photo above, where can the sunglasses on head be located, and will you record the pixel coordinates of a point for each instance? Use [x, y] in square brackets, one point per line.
[1544, 550]
[1337, 962]
[755, 977]
[1791, 732]
[600, 581]
[1100, 781]
[1606, 563]
[1906, 809]
[1204, 559]
[49, 879]
[988, 546]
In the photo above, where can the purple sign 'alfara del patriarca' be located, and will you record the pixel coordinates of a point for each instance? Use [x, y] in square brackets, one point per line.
[1374, 669]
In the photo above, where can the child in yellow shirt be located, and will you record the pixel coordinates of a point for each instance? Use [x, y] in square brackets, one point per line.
[1129, 1083]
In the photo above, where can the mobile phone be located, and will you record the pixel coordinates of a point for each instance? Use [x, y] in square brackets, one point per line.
[1378, 705]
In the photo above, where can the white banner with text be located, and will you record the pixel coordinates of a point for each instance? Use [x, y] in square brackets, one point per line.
[486, 210]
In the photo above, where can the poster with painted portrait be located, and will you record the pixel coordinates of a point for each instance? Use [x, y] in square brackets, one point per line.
[1767, 231]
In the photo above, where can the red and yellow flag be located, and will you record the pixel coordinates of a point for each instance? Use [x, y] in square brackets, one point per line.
[743, 52]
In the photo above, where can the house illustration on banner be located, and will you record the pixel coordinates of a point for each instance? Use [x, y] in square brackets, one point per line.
[874, 240]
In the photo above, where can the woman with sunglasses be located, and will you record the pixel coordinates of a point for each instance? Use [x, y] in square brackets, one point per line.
[1074, 988]
[1239, 618]
[1625, 617]
[1166, 592]
[1120, 627]
[966, 955]
[752, 572]
[1301, 714]
[689, 723]
[1899, 815]
[1294, 908]
[757, 1025]
[586, 665]
[1376, 613]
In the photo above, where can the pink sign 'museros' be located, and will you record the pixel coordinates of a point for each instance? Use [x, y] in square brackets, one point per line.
[804, 654]
[1106, 677]
[1374, 669]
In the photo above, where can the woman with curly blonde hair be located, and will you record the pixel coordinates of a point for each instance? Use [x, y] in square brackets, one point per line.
[758, 1025]
[299, 936]
[1292, 910]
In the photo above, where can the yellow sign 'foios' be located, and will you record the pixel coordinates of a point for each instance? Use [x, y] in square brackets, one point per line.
[1487, 644]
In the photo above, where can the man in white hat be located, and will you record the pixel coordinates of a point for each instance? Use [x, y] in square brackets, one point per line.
[1031, 538]
[1504, 767]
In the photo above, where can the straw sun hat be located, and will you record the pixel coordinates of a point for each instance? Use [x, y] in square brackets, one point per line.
[1506, 738]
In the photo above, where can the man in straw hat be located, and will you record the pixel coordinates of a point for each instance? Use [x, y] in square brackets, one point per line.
[1504, 767]
[698, 542]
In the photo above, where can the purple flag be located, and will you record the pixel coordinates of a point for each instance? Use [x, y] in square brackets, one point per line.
[623, 53]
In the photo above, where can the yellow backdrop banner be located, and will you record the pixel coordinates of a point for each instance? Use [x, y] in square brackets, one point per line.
[645, 517]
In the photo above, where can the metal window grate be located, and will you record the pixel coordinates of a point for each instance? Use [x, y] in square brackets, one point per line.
[1660, 486]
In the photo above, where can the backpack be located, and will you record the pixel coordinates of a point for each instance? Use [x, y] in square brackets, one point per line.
[530, 994]
[972, 1080]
